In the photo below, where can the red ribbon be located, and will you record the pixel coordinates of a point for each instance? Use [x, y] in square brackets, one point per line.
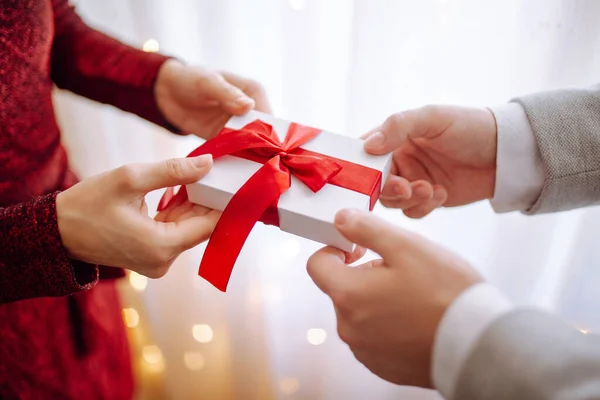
[257, 199]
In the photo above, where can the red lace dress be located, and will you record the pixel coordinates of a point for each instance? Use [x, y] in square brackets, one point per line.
[61, 331]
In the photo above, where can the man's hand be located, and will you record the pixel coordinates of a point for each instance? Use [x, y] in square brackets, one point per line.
[104, 219]
[442, 156]
[199, 101]
[388, 310]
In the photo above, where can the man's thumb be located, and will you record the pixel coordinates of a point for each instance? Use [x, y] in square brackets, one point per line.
[145, 178]
[411, 124]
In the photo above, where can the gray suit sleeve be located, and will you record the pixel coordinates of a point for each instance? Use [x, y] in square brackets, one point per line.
[531, 355]
[566, 124]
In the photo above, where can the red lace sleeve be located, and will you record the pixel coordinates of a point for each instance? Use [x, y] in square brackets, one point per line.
[33, 261]
[94, 65]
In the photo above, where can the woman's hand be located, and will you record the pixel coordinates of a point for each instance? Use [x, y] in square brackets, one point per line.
[104, 219]
[200, 101]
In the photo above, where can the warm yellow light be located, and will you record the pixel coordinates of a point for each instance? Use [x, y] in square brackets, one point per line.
[202, 333]
[297, 4]
[139, 282]
[151, 46]
[316, 336]
[152, 355]
[131, 317]
[154, 361]
[289, 385]
[584, 331]
[193, 360]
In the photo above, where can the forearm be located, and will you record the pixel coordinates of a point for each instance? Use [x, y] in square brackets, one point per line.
[94, 65]
[548, 146]
[566, 124]
[519, 167]
[529, 354]
[467, 318]
[486, 349]
[33, 261]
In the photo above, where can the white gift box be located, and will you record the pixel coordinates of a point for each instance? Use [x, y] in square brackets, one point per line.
[301, 211]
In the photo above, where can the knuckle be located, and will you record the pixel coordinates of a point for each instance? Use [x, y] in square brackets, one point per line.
[176, 168]
[254, 87]
[395, 122]
[166, 252]
[389, 203]
[363, 224]
[431, 110]
[161, 249]
[349, 331]
[128, 176]
[209, 76]
[356, 318]
[356, 343]
[311, 264]
[360, 221]
[160, 266]
[417, 213]
[344, 332]
[158, 271]
[342, 298]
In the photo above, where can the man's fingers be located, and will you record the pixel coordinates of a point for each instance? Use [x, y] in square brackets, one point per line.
[424, 199]
[439, 198]
[420, 192]
[327, 268]
[367, 230]
[397, 187]
[144, 178]
[422, 122]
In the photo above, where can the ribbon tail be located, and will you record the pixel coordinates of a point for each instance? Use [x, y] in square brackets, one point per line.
[239, 217]
[169, 198]
[165, 200]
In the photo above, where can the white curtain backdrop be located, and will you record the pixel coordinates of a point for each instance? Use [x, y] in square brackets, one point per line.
[344, 66]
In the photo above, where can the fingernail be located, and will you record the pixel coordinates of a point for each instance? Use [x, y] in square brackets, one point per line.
[202, 161]
[343, 216]
[244, 101]
[422, 192]
[398, 190]
[375, 140]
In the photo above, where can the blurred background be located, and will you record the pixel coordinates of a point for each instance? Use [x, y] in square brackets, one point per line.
[344, 66]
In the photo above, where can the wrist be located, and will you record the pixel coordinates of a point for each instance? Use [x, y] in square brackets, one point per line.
[492, 153]
[169, 72]
[518, 155]
[65, 226]
[467, 317]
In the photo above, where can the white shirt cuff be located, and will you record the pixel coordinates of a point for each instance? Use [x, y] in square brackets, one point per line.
[519, 168]
[462, 325]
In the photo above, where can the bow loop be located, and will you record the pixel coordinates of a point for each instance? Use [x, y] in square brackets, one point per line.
[313, 171]
[297, 135]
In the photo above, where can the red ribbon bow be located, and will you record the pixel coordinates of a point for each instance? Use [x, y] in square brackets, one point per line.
[257, 199]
